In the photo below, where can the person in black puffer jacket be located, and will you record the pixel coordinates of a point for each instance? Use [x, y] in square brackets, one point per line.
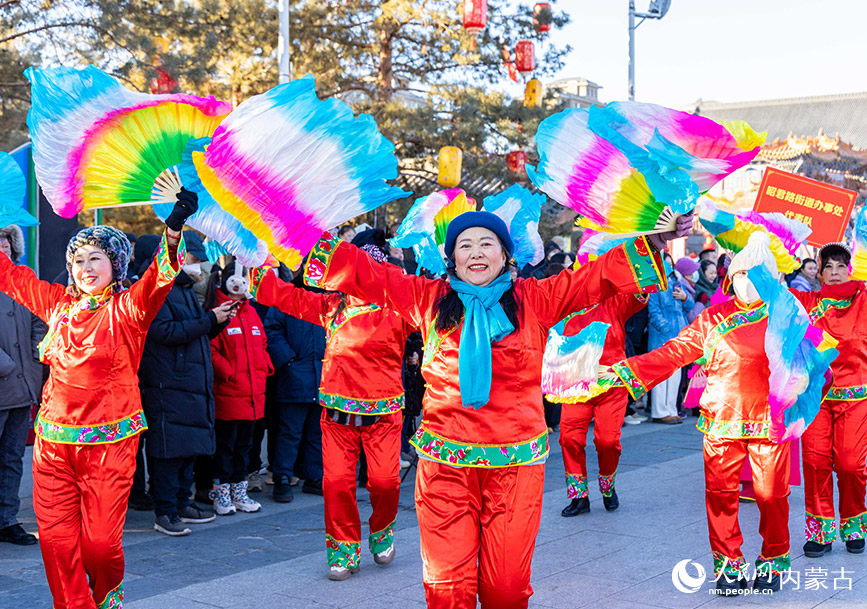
[176, 379]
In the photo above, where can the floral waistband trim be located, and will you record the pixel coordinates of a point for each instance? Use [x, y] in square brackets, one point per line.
[359, 406]
[845, 394]
[732, 429]
[462, 454]
[101, 433]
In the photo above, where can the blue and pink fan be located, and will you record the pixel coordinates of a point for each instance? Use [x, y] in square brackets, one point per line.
[521, 210]
[13, 190]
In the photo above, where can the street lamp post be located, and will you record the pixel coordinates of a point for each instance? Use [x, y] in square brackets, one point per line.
[657, 10]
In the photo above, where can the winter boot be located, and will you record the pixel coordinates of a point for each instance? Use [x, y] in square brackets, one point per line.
[240, 499]
[222, 500]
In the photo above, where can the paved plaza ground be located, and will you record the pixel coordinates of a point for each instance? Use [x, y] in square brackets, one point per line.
[276, 558]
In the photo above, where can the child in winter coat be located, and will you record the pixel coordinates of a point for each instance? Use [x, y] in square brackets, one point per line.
[241, 365]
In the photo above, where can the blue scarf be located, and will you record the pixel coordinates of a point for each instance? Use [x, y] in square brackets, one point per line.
[484, 322]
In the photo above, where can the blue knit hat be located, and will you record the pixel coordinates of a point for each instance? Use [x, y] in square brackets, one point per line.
[107, 238]
[483, 219]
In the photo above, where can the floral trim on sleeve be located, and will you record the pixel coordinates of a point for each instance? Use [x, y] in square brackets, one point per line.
[606, 484]
[167, 272]
[632, 383]
[820, 529]
[734, 430]
[114, 599]
[731, 568]
[361, 406]
[773, 566]
[257, 274]
[99, 433]
[576, 486]
[462, 454]
[649, 276]
[320, 257]
[854, 527]
[847, 394]
[342, 553]
[381, 540]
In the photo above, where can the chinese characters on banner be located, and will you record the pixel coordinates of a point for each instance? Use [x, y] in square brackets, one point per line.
[822, 207]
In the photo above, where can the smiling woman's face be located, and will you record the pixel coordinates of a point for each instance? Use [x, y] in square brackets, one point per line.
[91, 269]
[479, 256]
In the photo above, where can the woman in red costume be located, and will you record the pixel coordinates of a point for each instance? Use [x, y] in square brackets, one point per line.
[84, 457]
[483, 441]
[362, 397]
[836, 441]
[606, 410]
[735, 418]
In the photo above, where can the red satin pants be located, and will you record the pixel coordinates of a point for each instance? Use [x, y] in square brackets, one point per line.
[607, 412]
[723, 461]
[836, 441]
[478, 532]
[341, 446]
[80, 497]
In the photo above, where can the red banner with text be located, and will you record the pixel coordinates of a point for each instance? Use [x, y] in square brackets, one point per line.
[822, 207]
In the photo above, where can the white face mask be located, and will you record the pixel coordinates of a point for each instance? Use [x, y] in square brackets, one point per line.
[193, 268]
[694, 277]
[744, 290]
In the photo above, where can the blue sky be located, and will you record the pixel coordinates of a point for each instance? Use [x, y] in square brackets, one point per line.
[724, 50]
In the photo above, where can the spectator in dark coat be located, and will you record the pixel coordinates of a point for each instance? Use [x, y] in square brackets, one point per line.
[296, 348]
[20, 388]
[176, 379]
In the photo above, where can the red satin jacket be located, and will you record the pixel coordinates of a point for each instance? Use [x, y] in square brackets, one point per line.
[94, 347]
[841, 311]
[731, 337]
[361, 371]
[510, 429]
[241, 365]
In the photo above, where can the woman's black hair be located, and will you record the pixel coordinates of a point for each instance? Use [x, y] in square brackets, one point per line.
[217, 279]
[805, 261]
[835, 252]
[449, 309]
[706, 264]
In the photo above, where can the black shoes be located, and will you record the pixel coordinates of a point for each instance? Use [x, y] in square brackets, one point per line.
[815, 550]
[312, 487]
[855, 546]
[16, 534]
[577, 506]
[282, 490]
[611, 503]
[730, 587]
[140, 501]
[772, 582]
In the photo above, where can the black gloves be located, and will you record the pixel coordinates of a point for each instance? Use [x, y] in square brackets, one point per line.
[187, 205]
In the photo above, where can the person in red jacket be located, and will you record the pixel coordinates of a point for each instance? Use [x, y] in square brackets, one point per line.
[483, 440]
[241, 365]
[607, 410]
[91, 413]
[836, 441]
[362, 396]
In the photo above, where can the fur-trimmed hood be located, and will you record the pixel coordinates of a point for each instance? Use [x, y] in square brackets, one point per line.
[15, 237]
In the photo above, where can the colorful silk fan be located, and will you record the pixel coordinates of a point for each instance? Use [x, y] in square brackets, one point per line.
[630, 168]
[425, 225]
[570, 364]
[13, 190]
[593, 245]
[798, 357]
[859, 247]
[733, 230]
[289, 166]
[211, 219]
[98, 144]
[521, 210]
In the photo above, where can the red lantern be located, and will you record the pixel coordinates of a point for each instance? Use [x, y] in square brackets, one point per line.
[516, 160]
[525, 58]
[163, 83]
[542, 17]
[475, 16]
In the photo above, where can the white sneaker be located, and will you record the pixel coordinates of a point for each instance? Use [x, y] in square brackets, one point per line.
[339, 574]
[240, 499]
[639, 417]
[222, 499]
[385, 557]
[404, 464]
[633, 420]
